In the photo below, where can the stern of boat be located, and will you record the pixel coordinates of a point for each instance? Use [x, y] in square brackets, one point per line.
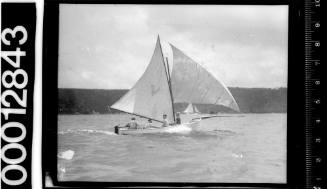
[117, 129]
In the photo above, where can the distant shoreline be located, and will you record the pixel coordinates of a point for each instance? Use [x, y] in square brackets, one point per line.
[98, 101]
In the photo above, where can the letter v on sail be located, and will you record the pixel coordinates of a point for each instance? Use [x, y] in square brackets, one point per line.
[154, 93]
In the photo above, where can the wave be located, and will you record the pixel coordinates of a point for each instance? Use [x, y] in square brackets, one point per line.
[224, 131]
[237, 155]
[213, 133]
[80, 131]
[68, 155]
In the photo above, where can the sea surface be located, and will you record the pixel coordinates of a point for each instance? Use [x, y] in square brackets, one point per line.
[241, 148]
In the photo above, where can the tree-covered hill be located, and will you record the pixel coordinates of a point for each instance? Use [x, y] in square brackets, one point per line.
[250, 100]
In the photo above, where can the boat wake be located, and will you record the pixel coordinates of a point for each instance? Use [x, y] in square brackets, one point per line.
[81, 131]
[182, 129]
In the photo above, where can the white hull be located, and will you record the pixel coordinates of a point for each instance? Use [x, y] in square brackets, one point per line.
[182, 128]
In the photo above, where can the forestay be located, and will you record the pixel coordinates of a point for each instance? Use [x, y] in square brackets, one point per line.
[150, 96]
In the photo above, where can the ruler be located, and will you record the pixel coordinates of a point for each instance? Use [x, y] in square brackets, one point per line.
[313, 94]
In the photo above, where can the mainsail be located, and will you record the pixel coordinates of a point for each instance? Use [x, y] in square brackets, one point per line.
[190, 82]
[150, 96]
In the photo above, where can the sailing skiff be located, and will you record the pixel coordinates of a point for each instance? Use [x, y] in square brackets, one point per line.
[191, 109]
[163, 84]
[169, 129]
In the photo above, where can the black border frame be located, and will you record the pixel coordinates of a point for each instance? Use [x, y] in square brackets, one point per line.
[295, 96]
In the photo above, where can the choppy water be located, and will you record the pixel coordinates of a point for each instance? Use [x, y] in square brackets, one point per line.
[251, 148]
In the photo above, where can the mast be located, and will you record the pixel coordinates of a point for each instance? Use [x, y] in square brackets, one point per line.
[150, 96]
[171, 93]
[168, 78]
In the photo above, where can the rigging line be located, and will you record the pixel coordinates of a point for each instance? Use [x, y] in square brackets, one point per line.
[168, 79]
[195, 83]
[171, 93]
[202, 80]
[193, 106]
[203, 95]
[217, 100]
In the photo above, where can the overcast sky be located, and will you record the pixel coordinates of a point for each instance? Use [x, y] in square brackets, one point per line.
[109, 46]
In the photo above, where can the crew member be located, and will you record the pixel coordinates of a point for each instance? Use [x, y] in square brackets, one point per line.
[149, 124]
[165, 121]
[133, 124]
[178, 118]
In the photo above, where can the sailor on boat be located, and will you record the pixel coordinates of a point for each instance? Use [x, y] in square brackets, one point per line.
[133, 124]
[165, 121]
[178, 118]
[149, 124]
